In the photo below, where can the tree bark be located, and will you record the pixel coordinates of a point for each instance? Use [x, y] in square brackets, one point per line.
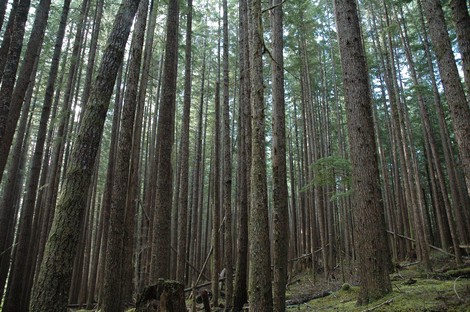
[13, 299]
[129, 284]
[428, 134]
[110, 174]
[461, 21]
[260, 288]
[370, 232]
[227, 163]
[9, 205]
[216, 202]
[458, 105]
[240, 294]
[183, 205]
[51, 290]
[3, 7]
[160, 259]
[9, 74]
[115, 272]
[280, 192]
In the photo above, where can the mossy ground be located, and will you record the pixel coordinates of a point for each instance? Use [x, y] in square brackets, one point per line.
[445, 289]
[424, 295]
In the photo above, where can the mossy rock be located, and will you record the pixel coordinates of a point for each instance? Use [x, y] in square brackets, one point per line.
[345, 287]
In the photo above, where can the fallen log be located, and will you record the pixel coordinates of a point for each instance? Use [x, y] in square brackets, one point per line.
[307, 298]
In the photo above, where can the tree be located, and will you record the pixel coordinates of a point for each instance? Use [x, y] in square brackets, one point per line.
[3, 7]
[280, 193]
[227, 163]
[458, 105]
[160, 259]
[6, 40]
[461, 21]
[51, 290]
[432, 146]
[260, 288]
[369, 222]
[113, 295]
[215, 265]
[9, 205]
[184, 151]
[8, 74]
[19, 271]
[240, 294]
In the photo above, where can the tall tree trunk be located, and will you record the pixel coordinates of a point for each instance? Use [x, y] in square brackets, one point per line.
[461, 21]
[92, 51]
[458, 105]
[3, 8]
[428, 134]
[160, 261]
[11, 67]
[369, 221]
[240, 295]
[227, 163]
[9, 74]
[184, 152]
[129, 283]
[110, 174]
[13, 299]
[455, 191]
[215, 268]
[198, 174]
[280, 192]
[137, 134]
[47, 210]
[113, 298]
[6, 40]
[94, 261]
[9, 204]
[260, 288]
[51, 290]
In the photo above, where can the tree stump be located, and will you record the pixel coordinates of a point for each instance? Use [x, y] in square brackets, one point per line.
[165, 296]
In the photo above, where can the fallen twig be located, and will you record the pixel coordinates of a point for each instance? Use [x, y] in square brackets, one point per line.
[455, 288]
[379, 305]
[399, 290]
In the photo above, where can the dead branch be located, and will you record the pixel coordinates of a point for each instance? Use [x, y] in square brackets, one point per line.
[221, 279]
[413, 240]
[273, 7]
[379, 305]
[190, 265]
[455, 288]
[307, 255]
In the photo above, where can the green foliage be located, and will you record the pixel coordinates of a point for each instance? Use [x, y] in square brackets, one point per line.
[332, 171]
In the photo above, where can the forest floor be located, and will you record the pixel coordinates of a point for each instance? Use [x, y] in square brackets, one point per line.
[447, 288]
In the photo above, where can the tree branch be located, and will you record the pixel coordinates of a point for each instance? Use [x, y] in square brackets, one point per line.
[273, 7]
